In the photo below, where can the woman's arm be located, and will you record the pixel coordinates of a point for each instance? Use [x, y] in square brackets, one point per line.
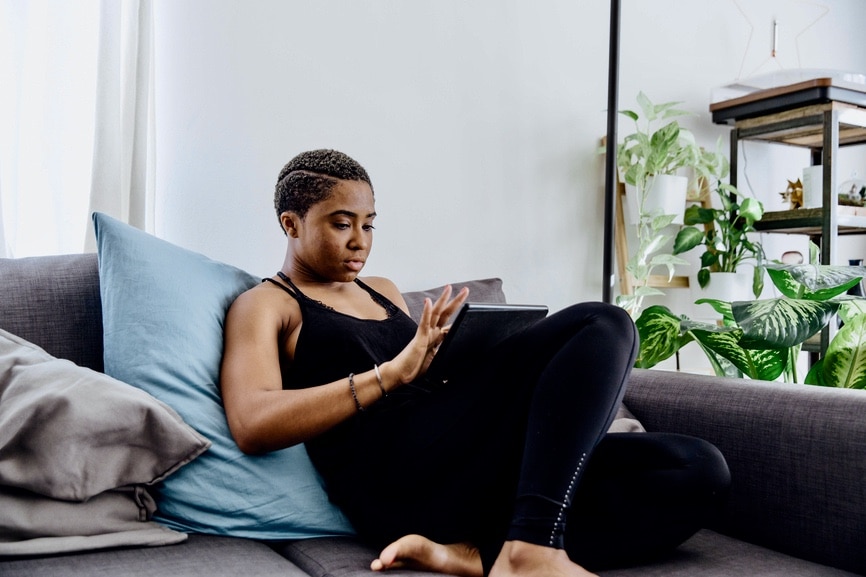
[262, 416]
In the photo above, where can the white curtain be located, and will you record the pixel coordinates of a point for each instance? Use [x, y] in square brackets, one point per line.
[76, 106]
[124, 166]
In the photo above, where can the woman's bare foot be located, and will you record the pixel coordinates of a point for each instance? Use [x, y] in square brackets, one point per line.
[417, 552]
[527, 560]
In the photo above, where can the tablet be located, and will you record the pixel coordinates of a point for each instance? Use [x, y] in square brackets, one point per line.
[478, 328]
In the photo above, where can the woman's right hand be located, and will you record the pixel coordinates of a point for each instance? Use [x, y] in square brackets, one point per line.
[414, 359]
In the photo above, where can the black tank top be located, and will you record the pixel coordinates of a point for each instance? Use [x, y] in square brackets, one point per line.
[332, 344]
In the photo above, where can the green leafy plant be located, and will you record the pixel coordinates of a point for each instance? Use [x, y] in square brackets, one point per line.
[653, 149]
[724, 234]
[761, 339]
[652, 238]
[658, 145]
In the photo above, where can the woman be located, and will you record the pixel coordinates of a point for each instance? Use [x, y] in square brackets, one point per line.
[502, 470]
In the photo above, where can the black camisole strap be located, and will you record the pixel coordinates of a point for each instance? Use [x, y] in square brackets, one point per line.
[390, 308]
[291, 291]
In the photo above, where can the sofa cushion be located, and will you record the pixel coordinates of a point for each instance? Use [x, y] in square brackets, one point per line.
[163, 312]
[707, 554]
[70, 437]
[53, 302]
[198, 556]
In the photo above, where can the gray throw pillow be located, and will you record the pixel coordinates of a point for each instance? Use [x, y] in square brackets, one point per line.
[70, 433]
[33, 524]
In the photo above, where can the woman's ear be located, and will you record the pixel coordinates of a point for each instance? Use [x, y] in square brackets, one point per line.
[289, 221]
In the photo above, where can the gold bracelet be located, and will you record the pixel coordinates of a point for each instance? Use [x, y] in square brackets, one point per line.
[379, 380]
[355, 394]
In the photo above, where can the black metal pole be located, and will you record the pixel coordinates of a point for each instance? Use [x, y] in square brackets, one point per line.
[610, 157]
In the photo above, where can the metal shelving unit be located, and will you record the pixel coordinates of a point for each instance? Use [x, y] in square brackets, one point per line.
[818, 115]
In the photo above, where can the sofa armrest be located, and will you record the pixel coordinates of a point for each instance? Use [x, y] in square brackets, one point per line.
[797, 455]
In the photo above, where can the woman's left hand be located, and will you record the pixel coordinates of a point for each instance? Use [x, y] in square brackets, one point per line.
[435, 327]
[432, 327]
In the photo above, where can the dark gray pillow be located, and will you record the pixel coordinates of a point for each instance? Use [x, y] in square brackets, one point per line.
[480, 291]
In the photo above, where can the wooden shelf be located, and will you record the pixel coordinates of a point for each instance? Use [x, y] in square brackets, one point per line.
[804, 126]
[769, 103]
[851, 220]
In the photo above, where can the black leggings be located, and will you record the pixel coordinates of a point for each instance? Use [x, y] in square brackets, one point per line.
[503, 451]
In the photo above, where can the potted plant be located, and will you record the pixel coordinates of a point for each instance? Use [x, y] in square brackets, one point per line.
[761, 339]
[723, 232]
[650, 158]
[648, 161]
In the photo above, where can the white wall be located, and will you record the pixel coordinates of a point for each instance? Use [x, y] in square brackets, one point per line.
[478, 121]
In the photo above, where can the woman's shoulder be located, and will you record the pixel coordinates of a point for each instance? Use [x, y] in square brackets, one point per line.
[265, 299]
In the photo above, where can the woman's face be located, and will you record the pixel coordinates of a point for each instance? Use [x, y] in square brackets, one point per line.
[332, 242]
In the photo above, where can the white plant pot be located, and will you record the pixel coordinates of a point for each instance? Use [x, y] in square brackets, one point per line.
[666, 194]
[723, 286]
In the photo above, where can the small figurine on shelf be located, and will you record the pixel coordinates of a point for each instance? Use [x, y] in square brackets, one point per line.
[793, 194]
[853, 192]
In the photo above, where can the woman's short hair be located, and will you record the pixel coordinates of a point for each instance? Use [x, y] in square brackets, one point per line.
[310, 177]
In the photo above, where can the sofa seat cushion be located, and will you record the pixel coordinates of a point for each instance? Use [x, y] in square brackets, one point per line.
[710, 554]
[198, 556]
[707, 554]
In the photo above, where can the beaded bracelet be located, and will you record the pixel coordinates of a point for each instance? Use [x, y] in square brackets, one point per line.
[379, 380]
[354, 393]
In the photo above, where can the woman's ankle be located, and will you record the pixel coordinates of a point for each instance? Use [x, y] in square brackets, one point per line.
[522, 558]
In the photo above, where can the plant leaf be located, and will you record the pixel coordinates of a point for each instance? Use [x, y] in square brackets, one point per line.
[758, 280]
[783, 281]
[821, 277]
[751, 210]
[662, 220]
[696, 214]
[630, 114]
[845, 361]
[647, 291]
[766, 364]
[721, 307]
[815, 376]
[849, 307]
[659, 331]
[780, 323]
[722, 367]
[708, 259]
[687, 238]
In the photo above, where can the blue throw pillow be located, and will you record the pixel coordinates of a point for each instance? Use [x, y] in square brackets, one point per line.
[163, 310]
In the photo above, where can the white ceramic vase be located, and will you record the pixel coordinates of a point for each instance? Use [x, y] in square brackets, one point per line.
[666, 194]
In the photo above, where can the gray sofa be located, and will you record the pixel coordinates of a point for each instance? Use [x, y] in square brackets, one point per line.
[797, 456]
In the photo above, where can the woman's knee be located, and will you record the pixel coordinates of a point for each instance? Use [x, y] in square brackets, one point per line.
[605, 316]
[605, 324]
[632, 453]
